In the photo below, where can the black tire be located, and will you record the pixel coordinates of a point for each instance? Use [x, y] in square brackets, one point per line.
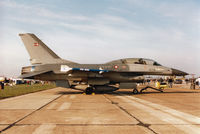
[135, 91]
[89, 90]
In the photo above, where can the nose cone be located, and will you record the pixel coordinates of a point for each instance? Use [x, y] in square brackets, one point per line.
[178, 72]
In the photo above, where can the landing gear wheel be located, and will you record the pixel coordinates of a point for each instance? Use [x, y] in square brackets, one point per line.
[89, 90]
[135, 91]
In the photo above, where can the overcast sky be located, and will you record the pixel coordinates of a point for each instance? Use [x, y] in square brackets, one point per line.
[97, 31]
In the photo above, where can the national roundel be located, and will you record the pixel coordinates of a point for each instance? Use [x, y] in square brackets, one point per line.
[116, 67]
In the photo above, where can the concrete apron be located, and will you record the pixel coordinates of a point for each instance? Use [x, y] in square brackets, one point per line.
[62, 110]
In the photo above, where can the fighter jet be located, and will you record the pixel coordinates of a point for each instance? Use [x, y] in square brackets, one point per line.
[113, 75]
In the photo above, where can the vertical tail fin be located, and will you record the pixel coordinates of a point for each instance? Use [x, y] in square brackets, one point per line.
[39, 53]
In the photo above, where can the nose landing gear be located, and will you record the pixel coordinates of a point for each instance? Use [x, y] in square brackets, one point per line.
[135, 91]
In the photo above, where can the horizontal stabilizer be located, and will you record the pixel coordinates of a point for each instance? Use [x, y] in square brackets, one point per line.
[30, 75]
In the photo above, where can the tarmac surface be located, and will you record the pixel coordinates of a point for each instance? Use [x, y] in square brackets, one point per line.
[60, 111]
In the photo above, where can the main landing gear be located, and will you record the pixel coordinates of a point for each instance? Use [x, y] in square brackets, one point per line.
[89, 90]
[135, 91]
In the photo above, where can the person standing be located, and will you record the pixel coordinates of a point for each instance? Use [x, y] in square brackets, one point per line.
[192, 86]
[170, 82]
[186, 81]
[198, 82]
[2, 85]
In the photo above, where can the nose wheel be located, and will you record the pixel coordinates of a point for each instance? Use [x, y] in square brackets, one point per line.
[89, 90]
[135, 91]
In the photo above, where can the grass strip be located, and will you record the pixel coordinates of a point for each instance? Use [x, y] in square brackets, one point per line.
[11, 91]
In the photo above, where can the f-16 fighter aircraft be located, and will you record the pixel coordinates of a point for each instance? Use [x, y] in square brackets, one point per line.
[48, 66]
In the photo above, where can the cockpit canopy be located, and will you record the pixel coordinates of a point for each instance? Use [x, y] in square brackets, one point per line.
[136, 61]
